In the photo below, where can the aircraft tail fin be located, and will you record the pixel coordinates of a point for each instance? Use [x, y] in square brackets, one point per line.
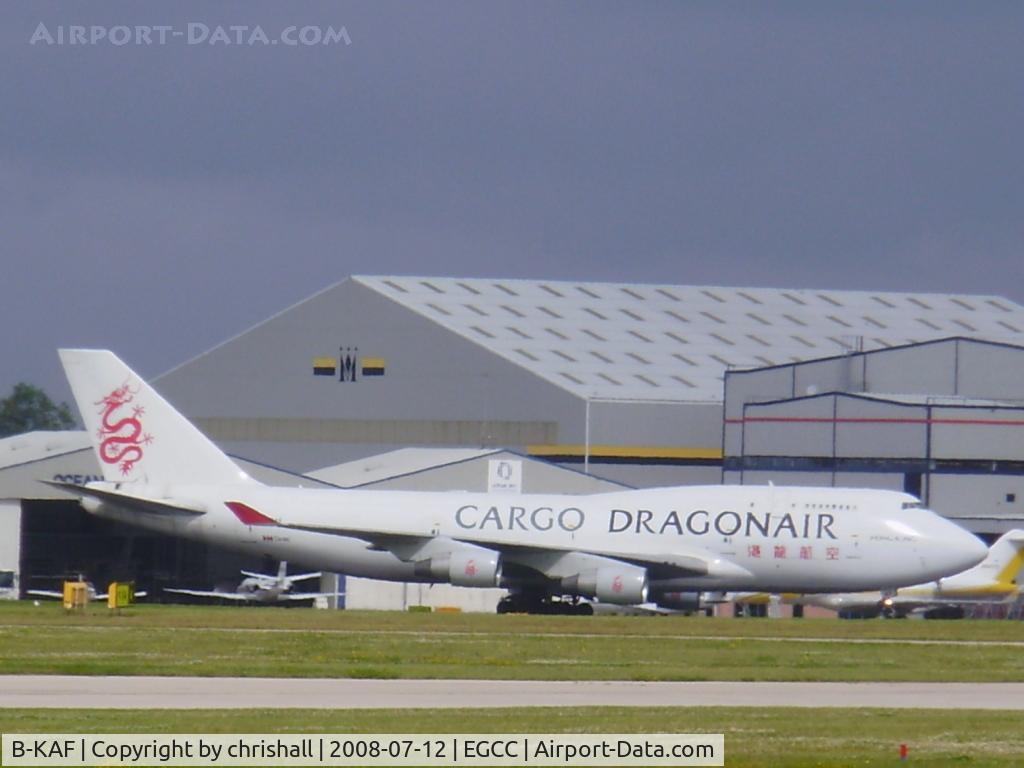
[1002, 568]
[1008, 555]
[136, 434]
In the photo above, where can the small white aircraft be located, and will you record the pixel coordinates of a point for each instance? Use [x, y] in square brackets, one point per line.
[622, 547]
[995, 580]
[90, 591]
[262, 588]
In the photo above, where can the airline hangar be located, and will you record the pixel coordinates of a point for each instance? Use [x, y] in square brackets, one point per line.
[614, 384]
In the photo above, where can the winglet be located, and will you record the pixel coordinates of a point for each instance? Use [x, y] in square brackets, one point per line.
[248, 515]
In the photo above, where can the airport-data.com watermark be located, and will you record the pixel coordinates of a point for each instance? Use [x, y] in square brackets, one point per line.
[192, 33]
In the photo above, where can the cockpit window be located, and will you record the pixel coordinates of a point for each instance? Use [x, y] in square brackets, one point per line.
[913, 505]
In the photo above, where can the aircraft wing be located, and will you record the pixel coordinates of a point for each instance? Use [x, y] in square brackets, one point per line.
[269, 577]
[697, 562]
[210, 593]
[910, 604]
[694, 561]
[135, 503]
[60, 595]
[307, 595]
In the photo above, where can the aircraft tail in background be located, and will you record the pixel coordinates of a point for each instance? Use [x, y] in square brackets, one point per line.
[1000, 572]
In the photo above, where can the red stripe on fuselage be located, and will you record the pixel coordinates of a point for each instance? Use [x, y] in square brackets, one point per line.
[248, 515]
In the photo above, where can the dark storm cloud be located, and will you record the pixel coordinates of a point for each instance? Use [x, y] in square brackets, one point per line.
[157, 199]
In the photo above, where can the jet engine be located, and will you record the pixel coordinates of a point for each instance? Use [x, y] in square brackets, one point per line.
[679, 601]
[622, 585]
[465, 567]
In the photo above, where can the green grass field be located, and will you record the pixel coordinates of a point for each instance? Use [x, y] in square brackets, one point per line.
[786, 738]
[177, 640]
[49, 613]
[212, 641]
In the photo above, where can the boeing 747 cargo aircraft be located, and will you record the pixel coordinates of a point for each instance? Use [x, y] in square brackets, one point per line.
[621, 547]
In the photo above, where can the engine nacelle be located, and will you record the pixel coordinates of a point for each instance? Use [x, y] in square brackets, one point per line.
[679, 601]
[470, 567]
[620, 585]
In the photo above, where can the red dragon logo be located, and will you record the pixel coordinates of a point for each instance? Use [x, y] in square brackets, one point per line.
[121, 436]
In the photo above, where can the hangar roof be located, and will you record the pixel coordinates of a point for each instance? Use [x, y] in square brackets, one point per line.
[625, 341]
[403, 461]
[429, 465]
[34, 446]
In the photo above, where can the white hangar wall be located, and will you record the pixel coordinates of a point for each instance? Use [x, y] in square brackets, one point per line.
[943, 420]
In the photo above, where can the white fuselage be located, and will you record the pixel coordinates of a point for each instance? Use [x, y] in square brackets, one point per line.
[263, 590]
[753, 537]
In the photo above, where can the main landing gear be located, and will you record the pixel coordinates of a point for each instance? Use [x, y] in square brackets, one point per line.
[543, 603]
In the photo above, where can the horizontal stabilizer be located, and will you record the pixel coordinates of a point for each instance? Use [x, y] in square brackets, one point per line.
[134, 503]
[304, 576]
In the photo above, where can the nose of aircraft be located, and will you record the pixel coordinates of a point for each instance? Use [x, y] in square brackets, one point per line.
[947, 548]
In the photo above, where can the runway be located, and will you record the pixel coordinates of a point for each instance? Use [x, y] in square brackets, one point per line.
[55, 691]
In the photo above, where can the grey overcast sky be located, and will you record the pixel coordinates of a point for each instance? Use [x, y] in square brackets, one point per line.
[158, 199]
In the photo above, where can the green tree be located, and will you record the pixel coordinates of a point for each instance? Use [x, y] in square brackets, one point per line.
[29, 408]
